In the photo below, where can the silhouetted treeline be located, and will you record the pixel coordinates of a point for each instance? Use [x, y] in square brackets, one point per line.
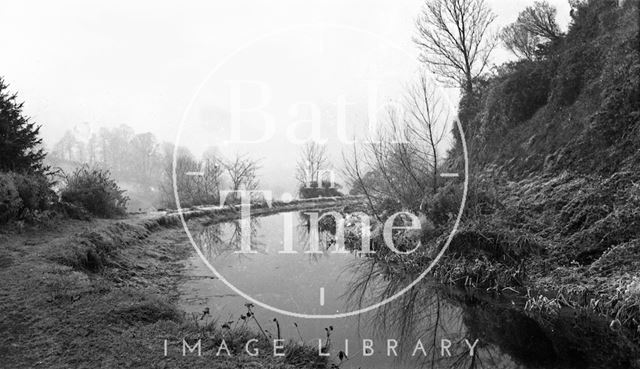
[143, 165]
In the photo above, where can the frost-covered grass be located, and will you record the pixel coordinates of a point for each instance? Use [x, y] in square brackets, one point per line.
[105, 297]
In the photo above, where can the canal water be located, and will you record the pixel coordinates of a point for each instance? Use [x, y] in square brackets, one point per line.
[429, 326]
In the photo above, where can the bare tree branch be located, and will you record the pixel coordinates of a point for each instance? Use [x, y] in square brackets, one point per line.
[313, 160]
[453, 37]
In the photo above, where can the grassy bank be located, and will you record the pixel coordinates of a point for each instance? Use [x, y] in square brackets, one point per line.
[102, 293]
[554, 200]
[553, 244]
[556, 255]
[560, 241]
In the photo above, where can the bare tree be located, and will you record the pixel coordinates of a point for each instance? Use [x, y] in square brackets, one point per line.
[540, 20]
[311, 164]
[519, 41]
[242, 172]
[455, 41]
[212, 168]
[402, 162]
[359, 185]
[184, 184]
[144, 156]
[428, 125]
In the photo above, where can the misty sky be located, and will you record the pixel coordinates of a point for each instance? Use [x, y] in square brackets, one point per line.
[141, 62]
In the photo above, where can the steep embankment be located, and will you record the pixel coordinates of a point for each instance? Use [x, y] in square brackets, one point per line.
[577, 109]
[556, 148]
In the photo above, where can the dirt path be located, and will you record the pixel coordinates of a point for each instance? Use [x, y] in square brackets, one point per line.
[57, 312]
[102, 294]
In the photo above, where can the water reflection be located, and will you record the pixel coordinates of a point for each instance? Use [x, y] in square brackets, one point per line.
[225, 238]
[222, 239]
[507, 337]
[429, 313]
[423, 316]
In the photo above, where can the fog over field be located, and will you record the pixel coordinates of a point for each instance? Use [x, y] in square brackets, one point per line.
[321, 184]
[87, 66]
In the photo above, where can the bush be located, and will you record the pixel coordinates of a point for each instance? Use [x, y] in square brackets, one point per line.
[10, 202]
[23, 195]
[514, 97]
[327, 189]
[445, 204]
[578, 66]
[35, 191]
[94, 190]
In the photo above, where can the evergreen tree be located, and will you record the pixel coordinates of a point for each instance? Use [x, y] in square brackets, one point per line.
[20, 149]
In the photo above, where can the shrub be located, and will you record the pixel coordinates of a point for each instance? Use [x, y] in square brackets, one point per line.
[23, 195]
[327, 189]
[94, 190]
[578, 66]
[515, 97]
[10, 202]
[35, 191]
[445, 204]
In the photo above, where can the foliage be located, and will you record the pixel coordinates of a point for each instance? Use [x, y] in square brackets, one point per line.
[588, 15]
[24, 196]
[519, 41]
[444, 205]
[134, 160]
[577, 67]
[512, 99]
[144, 166]
[10, 201]
[554, 193]
[96, 191]
[25, 189]
[130, 157]
[200, 189]
[327, 189]
[540, 20]
[534, 34]
[35, 191]
[543, 304]
[19, 142]
[576, 109]
[200, 182]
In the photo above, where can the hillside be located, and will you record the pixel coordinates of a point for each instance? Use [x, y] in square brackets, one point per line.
[554, 206]
[576, 109]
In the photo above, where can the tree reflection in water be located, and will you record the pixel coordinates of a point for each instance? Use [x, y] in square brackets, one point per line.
[430, 312]
[508, 338]
[225, 238]
[220, 239]
[421, 313]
